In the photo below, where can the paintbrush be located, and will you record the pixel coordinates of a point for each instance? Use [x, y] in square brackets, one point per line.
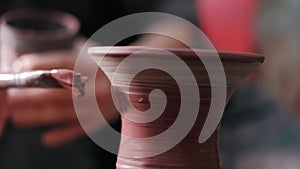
[56, 78]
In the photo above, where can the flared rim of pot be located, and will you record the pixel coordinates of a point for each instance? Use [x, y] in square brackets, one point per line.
[186, 53]
[70, 23]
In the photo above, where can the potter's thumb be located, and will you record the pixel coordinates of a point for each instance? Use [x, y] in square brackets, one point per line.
[25, 62]
[44, 61]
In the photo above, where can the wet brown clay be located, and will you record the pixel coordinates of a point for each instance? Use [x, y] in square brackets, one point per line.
[189, 153]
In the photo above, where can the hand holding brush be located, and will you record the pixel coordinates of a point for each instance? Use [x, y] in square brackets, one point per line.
[56, 78]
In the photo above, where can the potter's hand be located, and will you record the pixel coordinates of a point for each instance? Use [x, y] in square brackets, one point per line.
[53, 108]
[3, 110]
[38, 108]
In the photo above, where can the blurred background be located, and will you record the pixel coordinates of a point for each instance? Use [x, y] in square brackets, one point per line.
[260, 126]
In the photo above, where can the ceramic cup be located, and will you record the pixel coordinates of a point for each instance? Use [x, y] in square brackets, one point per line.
[32, 30]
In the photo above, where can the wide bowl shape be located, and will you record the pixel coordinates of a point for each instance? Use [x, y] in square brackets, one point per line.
[171, 102]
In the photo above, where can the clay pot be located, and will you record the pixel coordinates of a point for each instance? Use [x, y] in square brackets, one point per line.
[32, 30]
[134, 85]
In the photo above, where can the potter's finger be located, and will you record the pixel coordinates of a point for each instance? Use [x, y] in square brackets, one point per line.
[39, 99]
[44, 115]
[27, 97]
[35, 107]
[39, 115]
[45, 60]
[60, 136]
